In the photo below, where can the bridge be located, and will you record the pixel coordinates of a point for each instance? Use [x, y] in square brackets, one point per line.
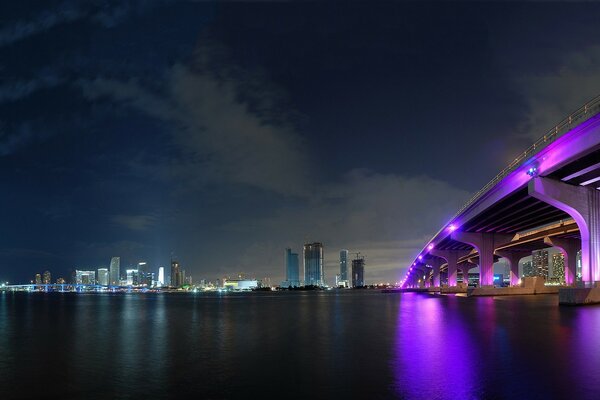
[68, 287]
[547, 197]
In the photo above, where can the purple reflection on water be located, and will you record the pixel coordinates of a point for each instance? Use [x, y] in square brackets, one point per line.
[433, 354]
[521, 347]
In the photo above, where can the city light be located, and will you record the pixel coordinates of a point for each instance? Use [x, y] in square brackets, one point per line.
[430, 247]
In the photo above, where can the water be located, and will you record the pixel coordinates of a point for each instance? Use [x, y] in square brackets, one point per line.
[353, 344]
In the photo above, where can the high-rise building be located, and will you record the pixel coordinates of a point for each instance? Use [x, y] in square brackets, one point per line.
[343, 265]
[161, 276]
[103, 276]
[358, 272]
[46, 278]
[145, 276]
[540, 263]
[38, 279]
[292, 268]
[528, 269]
[85, 277]
[558, 267]
[115, 270]
[133, 277]
[175, 274]
[313, 264]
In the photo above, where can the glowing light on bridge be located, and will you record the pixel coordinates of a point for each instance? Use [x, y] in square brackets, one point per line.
[532, 171]
[430, 247]
[420, 257]
[452, 227]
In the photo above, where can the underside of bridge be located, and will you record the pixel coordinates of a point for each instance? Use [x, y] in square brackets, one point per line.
[552, 199]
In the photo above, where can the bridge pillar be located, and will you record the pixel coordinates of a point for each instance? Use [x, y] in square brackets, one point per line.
[569, 248]
[465, 267]
[421, 275]
[485, 244]
[451, 257]
[513, 257]
[582, 203]
[436, 264]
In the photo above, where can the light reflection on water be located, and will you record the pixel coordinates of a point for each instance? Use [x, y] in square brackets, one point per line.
[354, 344]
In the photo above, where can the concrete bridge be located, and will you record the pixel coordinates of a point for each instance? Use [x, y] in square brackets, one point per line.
[547, 197]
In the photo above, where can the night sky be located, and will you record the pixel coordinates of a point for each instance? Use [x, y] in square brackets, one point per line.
[221, 133]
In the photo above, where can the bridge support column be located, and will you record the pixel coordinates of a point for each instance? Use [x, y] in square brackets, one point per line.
[451, 257]
[582, 203]
[465, 267]
[485, 244]
[569, 248]
[436, 265]
[513, 258]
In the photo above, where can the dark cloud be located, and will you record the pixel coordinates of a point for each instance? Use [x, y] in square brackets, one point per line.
[218, 136]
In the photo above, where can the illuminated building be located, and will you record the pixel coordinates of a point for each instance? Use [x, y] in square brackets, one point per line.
[558, 267]
[46, 278]
[528, 269]
[358, 272]
[38, 279]
[103, 276]
[175, 274]
[313, 264]
[292, 269]
[115, 270]
[161, 276]
[240, 284]
[344, 279]
[540, 263]
[133, 277]
[85, 277]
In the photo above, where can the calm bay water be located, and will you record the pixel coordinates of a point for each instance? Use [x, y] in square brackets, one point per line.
[354, 344]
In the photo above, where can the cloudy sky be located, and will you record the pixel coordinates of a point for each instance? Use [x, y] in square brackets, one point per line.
[221, 133]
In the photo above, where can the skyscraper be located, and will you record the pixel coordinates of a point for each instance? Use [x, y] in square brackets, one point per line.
[558, 267]
[38, 279]
[313, 264]
[292, 268]
[115, 270]
[528, 269]
[540, 263]
[343, 265]
[145, 275]
[46, 278]
[103, 276]
[161, 276]
[175, 274]
[358, 272]
[133, 277]
[85, 277]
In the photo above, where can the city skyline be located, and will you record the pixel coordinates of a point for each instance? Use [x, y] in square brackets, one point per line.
[102, 156]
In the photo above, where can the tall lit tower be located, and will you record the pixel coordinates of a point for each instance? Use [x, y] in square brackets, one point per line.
[358, 271]
[115, 270]
[540, 263]
[175, 274]
[558, 267]
[313, 264]
[103, 276]
[161, 276]
[47, 278]
[343, 265]
[292, 268]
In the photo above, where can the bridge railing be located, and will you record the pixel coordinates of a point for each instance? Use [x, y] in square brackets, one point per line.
[582, 114]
